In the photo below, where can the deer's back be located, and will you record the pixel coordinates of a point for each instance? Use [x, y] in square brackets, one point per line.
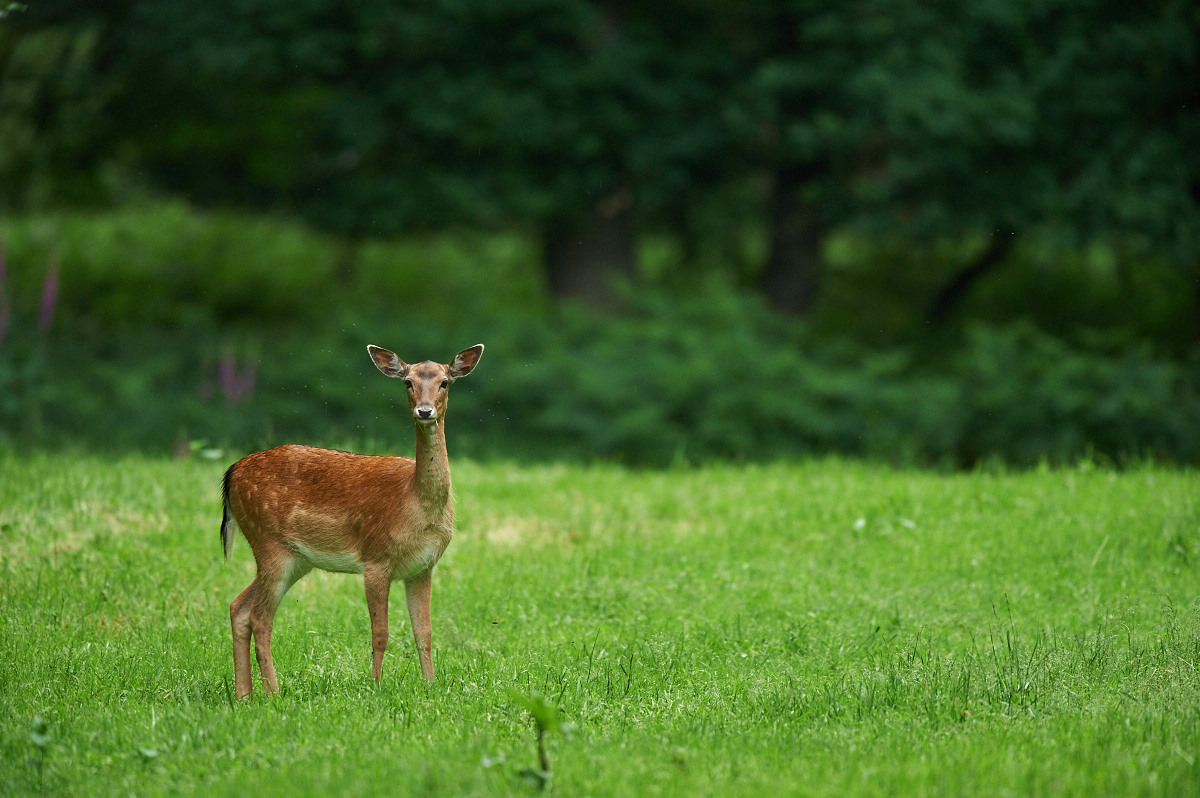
[322, 500]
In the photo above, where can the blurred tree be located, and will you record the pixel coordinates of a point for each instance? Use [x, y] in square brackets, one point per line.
[1065, 125]
[562, 117]
[990, 122]
[58, 141]
[1000, 124]
[802, 130]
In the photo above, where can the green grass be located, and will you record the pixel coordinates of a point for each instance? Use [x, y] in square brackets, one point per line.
[824, 628]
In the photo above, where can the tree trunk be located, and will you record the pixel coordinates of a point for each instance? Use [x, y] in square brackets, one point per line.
[793, 274]
[953, 292]
[583, 258]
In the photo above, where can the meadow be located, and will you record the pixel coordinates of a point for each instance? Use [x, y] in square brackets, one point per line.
[807, 628]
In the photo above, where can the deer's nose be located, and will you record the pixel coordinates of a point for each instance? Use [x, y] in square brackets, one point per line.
[423, 411]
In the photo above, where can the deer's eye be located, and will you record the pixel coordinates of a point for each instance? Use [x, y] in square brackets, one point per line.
[444, 384]
[408, 384]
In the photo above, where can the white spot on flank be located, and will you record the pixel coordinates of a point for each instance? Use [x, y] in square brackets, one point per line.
[286, 582]
[337, 561]
[421, 562]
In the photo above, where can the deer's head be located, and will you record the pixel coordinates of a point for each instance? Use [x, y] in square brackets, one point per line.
[427, 383]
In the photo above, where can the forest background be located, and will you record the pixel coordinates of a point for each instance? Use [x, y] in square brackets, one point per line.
[925, 232]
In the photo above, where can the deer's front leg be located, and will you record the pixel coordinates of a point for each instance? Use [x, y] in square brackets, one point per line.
[378, 583]
[419, 591]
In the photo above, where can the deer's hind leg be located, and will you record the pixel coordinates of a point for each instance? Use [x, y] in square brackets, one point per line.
[239, 618]
[252, 614]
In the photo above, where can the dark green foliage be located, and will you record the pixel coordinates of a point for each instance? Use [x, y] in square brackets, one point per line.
[718, 377]
[1029, 396]
[370, 118]
[939, 119]
[175, 328]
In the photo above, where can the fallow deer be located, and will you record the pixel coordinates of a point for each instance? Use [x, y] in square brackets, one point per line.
[387, 518]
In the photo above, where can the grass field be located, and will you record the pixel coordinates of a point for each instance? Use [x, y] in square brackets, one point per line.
[823, 628]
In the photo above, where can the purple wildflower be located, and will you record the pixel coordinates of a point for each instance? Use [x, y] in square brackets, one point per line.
[49, 297]
[227, 375]
[4, 311]
[246, 380]
[236, 385]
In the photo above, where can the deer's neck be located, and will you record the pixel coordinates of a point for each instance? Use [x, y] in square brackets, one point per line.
[432, 476]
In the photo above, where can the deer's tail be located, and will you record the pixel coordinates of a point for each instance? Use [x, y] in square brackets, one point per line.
[228, 522]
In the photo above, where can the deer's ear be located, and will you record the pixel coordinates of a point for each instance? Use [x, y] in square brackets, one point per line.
[387, 362]
[465, 361]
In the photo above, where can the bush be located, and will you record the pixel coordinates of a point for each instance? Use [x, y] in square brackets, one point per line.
[175, 327]
[719, 377]
[1030, 396]
[169, 265]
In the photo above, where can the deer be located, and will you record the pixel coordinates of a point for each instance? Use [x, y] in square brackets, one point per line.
[387, 518]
